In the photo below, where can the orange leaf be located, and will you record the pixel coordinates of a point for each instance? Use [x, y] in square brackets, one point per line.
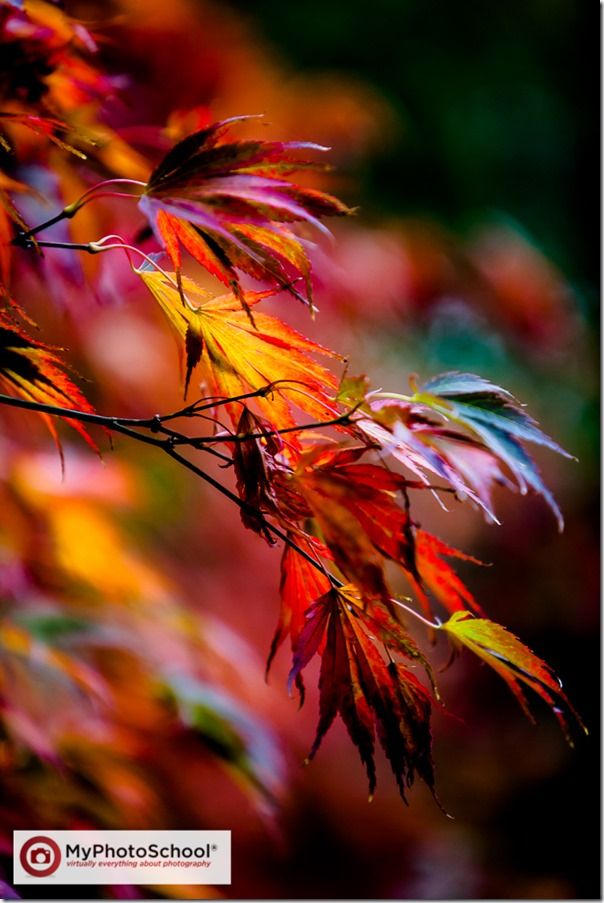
[238, 357]
[33, 371]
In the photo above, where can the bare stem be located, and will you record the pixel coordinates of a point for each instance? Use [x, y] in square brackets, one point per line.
[89, 247]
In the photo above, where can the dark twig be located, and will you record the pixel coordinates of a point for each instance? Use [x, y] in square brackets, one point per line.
[128, 427]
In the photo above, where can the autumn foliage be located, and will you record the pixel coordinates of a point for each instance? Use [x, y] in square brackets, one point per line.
[220, 228]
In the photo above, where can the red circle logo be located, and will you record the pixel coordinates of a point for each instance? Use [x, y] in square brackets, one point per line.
[40, 856]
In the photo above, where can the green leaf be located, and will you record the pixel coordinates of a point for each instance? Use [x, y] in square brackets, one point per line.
[498, 420]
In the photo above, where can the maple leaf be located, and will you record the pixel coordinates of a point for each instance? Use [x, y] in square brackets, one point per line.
[415, 437]
[236, 357]
[495, 418]
[361, 522]
[32, 370]
[513, 661]
[460, 427]
[354, 507]
[360, 680]
[301, 585]
[432, 571]
[228, 205]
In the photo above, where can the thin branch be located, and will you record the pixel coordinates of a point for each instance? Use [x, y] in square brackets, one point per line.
[249, 509]
[215, 401]
[89, 247]
[209, 402]
[127, 427]
[266, 434]
[109, 423]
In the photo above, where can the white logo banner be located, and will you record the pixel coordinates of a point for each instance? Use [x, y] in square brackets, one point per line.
[122, 857]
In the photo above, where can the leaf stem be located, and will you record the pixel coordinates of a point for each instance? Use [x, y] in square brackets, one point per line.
[70, 210]
[396, 396]
[434, 625]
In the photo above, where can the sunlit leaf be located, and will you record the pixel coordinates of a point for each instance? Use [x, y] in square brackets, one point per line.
[459, 427]
[433, 572]
[33, 370]
[301, 585]
[497, 419]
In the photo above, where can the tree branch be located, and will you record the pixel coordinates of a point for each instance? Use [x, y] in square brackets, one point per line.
[130, 427]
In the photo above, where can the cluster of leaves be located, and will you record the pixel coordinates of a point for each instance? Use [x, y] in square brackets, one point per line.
[312, 450]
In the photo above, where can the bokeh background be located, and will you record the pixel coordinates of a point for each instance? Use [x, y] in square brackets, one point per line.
[467, 136]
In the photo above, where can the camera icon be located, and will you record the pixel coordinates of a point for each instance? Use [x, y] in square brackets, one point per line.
[40, 856]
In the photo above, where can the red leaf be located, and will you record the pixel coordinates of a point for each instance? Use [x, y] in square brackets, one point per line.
[358, 515]
[301, 584]
[363, 683]
[439, 576]
[228, 203]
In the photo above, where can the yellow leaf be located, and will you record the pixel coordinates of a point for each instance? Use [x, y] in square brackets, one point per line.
[513, 661]
[236, 357]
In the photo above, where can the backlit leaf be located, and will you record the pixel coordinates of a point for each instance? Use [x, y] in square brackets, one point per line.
[32, 370]
[494, 416]
[361, 521]
[237, 357]
[369, 688]
[229, 206]
[438, 576]
[459, 427]
[301, 585]
[513, 661]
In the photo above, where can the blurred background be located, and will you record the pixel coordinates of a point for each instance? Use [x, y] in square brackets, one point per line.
[467, 136]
